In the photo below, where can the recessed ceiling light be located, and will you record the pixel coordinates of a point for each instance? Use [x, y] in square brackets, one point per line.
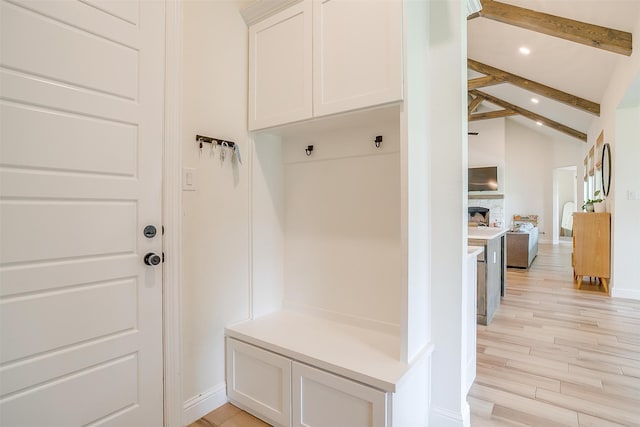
[525, 50]
[539, 123]
[534, 100]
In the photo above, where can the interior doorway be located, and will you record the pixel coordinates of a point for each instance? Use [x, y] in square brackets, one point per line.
[564, 202]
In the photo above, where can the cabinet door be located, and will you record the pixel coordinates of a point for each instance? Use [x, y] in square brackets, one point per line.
[321, 399]
[259, 381]
[280, 68]
[357, 57]
[494, 276]
[592, 237]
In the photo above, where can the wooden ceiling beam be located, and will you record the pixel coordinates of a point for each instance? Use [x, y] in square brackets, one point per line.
[474, 103]
[492, 115]
[535, 87]
[484, 82]
[604, 38]
[532, 116]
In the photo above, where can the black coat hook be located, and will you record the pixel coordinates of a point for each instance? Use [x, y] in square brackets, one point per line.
[378, 141]
[308, 150]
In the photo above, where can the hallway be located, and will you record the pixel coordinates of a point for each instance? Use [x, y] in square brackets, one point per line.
[556, 356]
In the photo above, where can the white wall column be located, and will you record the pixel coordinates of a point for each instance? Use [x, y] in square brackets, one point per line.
[448, 169]
[626, 209]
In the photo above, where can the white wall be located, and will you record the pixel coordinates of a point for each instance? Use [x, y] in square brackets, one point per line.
[268, 223]
[566, 178]
[566, 185]
[626, 232]
[448, 208]
[624, 241]
[215, 275]
[531, 158]
[488, 148]
[342, 222]
[528, 160]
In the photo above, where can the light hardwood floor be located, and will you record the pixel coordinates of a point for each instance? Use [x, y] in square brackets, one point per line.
[557, 356]
[552, 356]
[228, 416]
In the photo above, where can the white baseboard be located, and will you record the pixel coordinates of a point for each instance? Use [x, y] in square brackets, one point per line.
[442, 417]
[198, 406]
[625, 293]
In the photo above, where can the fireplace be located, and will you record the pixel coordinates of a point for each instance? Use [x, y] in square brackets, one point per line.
[478, 216]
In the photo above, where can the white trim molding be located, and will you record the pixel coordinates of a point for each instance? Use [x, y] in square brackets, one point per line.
[200, 405]
[172, 216]
[443, 417]
[625, 293]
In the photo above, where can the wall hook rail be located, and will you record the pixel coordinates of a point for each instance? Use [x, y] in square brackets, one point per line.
[200, 139]
[216, 141]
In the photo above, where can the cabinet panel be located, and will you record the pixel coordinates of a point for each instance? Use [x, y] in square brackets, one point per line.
[494, 272]
[259, 381]
[280, 68]
[592, 245]
[321, 399]
[469, 319]
[357, 54]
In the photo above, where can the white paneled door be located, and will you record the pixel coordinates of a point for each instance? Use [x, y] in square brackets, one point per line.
[81, 104]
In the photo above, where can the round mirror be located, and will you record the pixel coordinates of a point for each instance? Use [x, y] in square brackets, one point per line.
[606, 169]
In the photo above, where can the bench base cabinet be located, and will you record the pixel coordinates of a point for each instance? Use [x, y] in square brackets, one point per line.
[287, 393]
[259, 381]
[321, 399]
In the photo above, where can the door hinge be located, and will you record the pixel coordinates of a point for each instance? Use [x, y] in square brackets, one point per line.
[163, 257]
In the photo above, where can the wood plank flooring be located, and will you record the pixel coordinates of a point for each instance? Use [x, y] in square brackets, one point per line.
[228, 416]
[552, 356]
[557, 356]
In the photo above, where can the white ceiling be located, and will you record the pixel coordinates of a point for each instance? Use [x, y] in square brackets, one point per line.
[574, 68]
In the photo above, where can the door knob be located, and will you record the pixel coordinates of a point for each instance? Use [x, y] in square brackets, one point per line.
[152, 259]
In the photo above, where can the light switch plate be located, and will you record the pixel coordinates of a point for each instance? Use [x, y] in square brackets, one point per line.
[189, 179]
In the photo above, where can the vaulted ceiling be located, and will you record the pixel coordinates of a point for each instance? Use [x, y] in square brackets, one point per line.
[574, 46]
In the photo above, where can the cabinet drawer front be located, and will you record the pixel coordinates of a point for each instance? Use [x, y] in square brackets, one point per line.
[321, 399]
[259, 381]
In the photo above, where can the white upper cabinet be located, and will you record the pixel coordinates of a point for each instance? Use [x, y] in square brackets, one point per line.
[280, 68]
[357, 54]
[348, 53]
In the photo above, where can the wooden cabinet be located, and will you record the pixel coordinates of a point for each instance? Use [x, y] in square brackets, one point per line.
[322, 57]
[491, 276]
[357, 54]
[592, 246]
[280, 68]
